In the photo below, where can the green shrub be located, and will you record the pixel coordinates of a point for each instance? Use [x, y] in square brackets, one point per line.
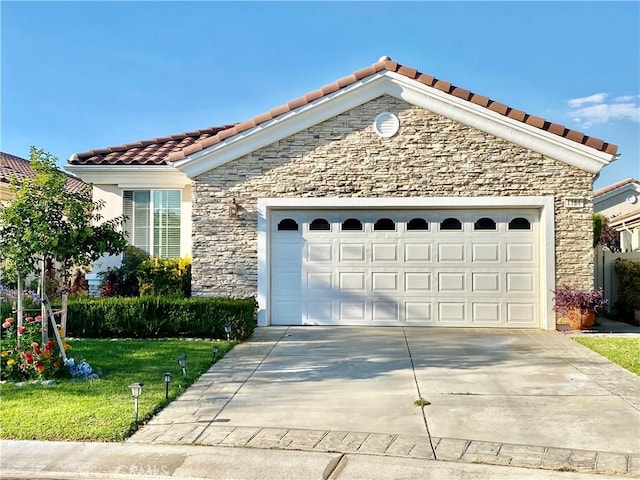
[165, 277]
[154, 317]
[628, 278]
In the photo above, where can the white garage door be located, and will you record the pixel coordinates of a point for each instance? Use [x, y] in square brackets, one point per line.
[411, 267]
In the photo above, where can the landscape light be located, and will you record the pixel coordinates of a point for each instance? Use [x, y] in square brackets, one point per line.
[167, 380]
[136, 391]
[227, 329]
[182, 361]
[215, 352]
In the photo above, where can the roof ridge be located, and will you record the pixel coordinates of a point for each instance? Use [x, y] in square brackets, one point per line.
[614, 186]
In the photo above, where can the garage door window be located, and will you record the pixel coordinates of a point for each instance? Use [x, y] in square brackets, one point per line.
[519, 223]
[384, 224]
[450, 224]
[288, 224]
[352, 225]
[417, 224]
[484, 224]
[320, 224]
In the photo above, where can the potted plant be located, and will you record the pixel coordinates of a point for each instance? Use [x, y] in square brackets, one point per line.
[579, 306]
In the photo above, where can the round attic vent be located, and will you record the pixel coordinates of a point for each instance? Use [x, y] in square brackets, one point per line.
[386, 124]
[631, 198]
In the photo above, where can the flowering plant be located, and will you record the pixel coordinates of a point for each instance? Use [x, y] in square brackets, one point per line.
[567, 298]
[27, 359]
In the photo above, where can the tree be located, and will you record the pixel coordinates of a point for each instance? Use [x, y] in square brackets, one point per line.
[45, 221]
[605, 235]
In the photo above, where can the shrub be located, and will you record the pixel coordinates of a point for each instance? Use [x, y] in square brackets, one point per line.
[165, 276]
[628, 278]
[153, 317]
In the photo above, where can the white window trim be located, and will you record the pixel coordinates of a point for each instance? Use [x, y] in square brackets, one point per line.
[268, 206]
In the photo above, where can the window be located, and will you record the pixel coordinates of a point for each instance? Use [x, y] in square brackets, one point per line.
[485, 224]
[417, 224]
[384, 224]
[352, 224]
[288, 224]
[451, 224]
[319, 224]
[519, 223]
[153, 221]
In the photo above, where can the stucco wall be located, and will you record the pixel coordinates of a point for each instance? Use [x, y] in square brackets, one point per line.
[430, 156]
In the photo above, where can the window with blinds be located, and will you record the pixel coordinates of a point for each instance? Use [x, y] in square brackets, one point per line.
[153, 221]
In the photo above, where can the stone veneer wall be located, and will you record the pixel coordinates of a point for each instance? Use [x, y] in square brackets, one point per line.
[343, 157]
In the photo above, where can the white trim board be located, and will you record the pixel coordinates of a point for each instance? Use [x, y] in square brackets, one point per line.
[414, 93]
[546, 241]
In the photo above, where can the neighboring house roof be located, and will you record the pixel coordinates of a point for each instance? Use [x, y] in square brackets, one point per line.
[615, 186]
[626, 219]
[11, 165]
[178, 147]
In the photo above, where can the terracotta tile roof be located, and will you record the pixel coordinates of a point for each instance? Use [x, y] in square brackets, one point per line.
[21, 168]
[614, 186]
[145, 152]
[178, 147]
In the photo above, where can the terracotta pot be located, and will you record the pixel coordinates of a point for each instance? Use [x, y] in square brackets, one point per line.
[581, 320]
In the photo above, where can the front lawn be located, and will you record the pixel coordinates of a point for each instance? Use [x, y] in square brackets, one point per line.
[102, 410]
[623, 351]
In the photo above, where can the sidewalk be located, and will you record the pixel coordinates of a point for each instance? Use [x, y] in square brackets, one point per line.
[116, 461]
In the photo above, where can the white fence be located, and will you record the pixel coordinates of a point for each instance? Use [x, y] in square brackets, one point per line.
[604, 274]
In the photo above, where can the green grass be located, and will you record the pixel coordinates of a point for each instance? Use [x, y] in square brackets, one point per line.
[623, 351]
[102, 410]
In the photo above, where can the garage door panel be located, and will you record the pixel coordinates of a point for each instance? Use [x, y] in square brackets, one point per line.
[384, 281]
[463, 277]
[485, 252]
[451, 252]
[384, 252]
[451, 282]
[485, 282]
[417, 281]
[416, 252]
[350, 252]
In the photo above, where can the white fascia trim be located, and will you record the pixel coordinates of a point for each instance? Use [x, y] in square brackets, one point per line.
[481, 118]
[131, 176]
[411, 91]
[284, 126]
[622, 190]
[544, 204]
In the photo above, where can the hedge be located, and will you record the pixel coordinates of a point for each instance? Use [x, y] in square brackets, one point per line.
[628, 278]
[153, 317]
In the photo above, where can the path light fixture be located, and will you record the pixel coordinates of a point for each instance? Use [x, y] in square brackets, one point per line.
[167, 381]
[136, 391]
[227, 330]
[182, 361]
[215, 352]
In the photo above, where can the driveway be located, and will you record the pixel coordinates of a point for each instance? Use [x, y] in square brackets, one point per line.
[487, 392]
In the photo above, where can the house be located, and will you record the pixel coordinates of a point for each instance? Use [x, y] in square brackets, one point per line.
[19, 168]
[620, 203]
[389, 197]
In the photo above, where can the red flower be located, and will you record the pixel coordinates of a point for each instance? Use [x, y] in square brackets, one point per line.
[37, 350]
[47, 354]
[35, 345]
[29, 319]
[21, 330]
[49, 346]
[28, 357]
[40, 367]
[56, 364]
[38, 318]
[6, 324]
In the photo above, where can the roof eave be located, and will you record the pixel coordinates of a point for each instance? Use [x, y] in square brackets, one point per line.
[411, 91]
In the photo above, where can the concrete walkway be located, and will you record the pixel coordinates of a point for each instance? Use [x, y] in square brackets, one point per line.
[533, 399]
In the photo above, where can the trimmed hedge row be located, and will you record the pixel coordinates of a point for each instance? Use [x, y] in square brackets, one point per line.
[153, 317]
[628, 278]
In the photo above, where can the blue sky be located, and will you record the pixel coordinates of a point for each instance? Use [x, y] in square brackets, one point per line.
[78, 76]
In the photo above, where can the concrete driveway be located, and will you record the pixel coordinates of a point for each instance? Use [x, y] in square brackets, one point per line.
[489, 392]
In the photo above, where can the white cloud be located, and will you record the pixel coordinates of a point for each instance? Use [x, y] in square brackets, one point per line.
[595, 98]
[595, 109]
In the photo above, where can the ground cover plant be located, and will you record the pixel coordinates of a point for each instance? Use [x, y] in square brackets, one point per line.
[102, 410]
[623, 351]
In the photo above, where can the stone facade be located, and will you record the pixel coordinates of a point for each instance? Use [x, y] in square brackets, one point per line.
[343, 157]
